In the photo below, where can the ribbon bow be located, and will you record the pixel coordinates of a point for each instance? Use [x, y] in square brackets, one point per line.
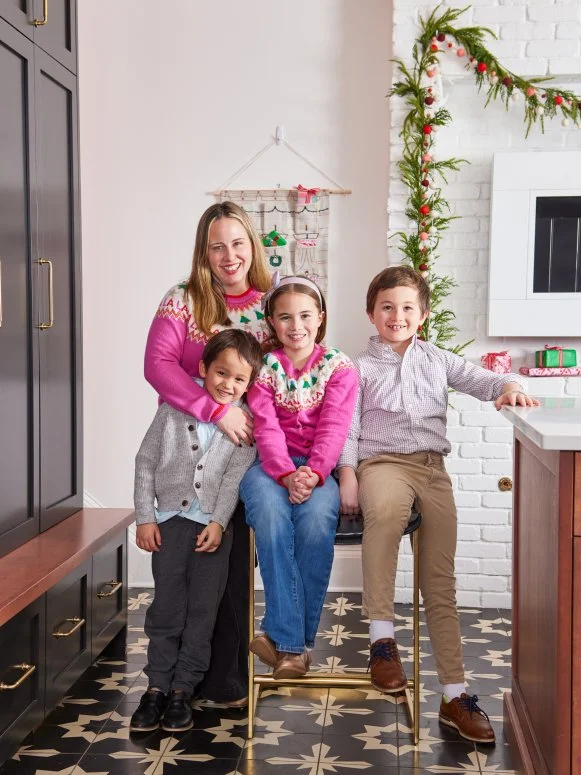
[553, 347]
[271, 290]
[306, 194]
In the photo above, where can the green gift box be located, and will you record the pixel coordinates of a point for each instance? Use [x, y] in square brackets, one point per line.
[555, 357]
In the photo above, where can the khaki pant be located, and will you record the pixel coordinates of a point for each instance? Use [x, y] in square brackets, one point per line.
[389, 485]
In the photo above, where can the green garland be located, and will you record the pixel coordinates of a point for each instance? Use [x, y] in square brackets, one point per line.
[427, 208]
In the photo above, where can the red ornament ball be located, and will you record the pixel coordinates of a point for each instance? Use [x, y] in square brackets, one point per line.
[481, 67]
[429, 100]
[434, 47]
[441, 37]
[427, 129]
[506, 81]
[558, 99]
[424, 209]
[425, 183]
[423, 268]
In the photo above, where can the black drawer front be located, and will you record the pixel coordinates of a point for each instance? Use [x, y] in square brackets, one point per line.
[21, 676]
[68, 633]
[109, 592]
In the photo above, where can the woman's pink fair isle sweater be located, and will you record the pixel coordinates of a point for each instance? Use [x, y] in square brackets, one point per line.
[175, 345]
[303, 412]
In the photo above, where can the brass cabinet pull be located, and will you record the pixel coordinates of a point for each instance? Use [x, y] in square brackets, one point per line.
[1, 313]
[44, 326]
[29, 670]
[116, 586]
[41, 22]
[77, 622]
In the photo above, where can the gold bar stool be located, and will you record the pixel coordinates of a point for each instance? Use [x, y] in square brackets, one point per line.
[349, 531]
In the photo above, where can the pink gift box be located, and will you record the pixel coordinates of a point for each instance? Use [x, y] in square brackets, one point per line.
[548, 371]
[500, 362]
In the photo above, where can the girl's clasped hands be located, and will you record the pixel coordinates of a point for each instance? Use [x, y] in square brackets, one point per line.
[300, 484]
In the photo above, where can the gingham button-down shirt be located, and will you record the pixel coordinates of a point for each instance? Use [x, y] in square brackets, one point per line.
[402, 401]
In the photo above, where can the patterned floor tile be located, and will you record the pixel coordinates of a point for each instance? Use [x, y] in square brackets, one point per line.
[49, 762]
[298, 730]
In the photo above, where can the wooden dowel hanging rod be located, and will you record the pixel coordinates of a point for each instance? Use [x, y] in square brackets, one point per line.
[250, 191]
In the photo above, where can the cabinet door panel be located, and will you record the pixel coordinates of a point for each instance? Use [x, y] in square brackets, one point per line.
[20, 14]
[109, 598]
[58, 36]
[18, 515]
[68, 633]
[22, 695]
[58, 291]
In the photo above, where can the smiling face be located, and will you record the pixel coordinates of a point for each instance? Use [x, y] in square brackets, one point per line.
[230, 254]
[227, 377]
[296, 319]
[397, 315]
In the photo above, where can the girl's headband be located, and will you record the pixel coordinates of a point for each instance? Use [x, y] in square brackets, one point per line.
[278, 282]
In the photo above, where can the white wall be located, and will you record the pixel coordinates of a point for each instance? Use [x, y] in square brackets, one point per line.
[536, 38]
[174, 97]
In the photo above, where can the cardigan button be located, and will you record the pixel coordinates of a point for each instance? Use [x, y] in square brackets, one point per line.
[199, 466]
[191, 427]
[184, 503]
[194, 446]
[197, 485]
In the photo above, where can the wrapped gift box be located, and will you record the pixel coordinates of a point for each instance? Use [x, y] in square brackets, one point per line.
[540, 371]
[500, 363]
[555, 357]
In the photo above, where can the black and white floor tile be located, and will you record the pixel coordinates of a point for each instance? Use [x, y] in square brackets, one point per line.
[299, 731]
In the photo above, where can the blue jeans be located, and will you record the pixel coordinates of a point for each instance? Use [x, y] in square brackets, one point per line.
[295, 546]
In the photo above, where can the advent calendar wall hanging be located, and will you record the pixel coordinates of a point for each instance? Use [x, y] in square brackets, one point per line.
[292, 222]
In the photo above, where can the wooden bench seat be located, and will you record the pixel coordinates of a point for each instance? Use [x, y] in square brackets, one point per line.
[32, 569]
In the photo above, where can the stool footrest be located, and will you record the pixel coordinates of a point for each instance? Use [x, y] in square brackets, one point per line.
[318, 679]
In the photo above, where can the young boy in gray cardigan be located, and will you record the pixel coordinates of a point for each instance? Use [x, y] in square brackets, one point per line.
[193, 471]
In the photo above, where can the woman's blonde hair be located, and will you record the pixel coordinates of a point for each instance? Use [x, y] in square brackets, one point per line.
[203, 289]
[272, 343]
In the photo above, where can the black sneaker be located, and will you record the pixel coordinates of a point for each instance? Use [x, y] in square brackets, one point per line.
[148, 715]
[178, 716]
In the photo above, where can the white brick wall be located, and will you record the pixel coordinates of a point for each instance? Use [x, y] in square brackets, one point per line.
[536, 38]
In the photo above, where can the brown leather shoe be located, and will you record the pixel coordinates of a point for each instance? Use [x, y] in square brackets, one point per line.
[292, 665]
[264, 649]
[387, 673]
[462, 713]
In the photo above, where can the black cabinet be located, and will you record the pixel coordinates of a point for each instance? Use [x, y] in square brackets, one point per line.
[40, 314]
[109, 592]
[22, 661]
[50, 24]
[68, 633]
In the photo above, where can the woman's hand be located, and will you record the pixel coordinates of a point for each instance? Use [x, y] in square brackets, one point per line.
[210, 538]
[237, 425]
[148, 537]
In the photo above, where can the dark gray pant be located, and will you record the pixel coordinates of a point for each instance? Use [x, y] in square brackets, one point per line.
[179, 623]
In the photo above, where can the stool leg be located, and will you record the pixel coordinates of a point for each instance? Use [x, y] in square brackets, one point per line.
[416, 721]
[252, 697]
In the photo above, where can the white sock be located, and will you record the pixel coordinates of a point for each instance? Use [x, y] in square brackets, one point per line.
[451, 691]
[380, 628]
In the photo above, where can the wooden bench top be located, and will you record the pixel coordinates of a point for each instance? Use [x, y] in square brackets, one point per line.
[36, 566]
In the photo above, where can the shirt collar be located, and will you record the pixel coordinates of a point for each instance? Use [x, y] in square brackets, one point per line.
[379, 349]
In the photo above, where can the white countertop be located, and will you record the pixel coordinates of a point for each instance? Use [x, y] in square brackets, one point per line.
[555, 424]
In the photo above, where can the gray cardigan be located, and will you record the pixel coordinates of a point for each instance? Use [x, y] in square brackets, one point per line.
[171, 468]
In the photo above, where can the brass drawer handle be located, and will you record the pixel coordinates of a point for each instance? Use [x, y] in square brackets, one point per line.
[116, 586]
[77, 622]
[40, 22]
[50, 324]
[29, 671]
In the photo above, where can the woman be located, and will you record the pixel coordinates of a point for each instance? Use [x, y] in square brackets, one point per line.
[228, 278]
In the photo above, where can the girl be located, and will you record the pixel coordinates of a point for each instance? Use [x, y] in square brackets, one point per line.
[228, 277]
[302, 404]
